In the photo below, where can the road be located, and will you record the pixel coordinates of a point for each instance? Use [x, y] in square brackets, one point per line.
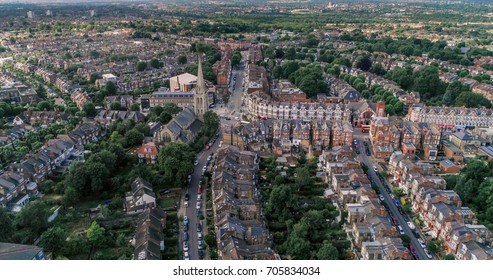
[191, 211]
[368, 160]
[232, 109]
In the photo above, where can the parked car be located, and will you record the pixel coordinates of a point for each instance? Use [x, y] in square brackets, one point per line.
[196, 162]
[187, 197]
[422, 243]
[185, 236]
[185, 246]
[199, 235]
[199, 197]
[199, 191]
[381, 197]
[428, 254]
[185, 204]
[185, 220]
[368, 152]
[401, 230]
[186, 256]
[201, 254]
[199, 227]
[375, 168]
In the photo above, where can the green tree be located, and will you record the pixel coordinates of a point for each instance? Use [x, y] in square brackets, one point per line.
[89, 109]
[70, 197]
[6, 225]
[34, 217]
[53, 240]
[298, 248]
[449, 257]
[155, 63]
[41, 92]
[175, 161]
[235, 59]
[96, 235]
[116, 106]
[327, 252]
[363, 62]
[135, 107]
[110, 88]
[134, 137]
[141, 66]
[182, 59]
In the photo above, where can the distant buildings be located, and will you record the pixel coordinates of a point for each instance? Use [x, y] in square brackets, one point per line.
[30, 14]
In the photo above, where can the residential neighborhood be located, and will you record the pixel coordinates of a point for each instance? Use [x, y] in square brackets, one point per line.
[270, 131]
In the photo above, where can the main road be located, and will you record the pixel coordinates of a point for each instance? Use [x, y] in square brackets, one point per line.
[388, 199]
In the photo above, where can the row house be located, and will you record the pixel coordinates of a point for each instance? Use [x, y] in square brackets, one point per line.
[254, 136]
[62, 84]
[238, 221]
[368, 222]
[148, 240]
[41, 117]
[140, 198]
[125, 101]
[484, 89]
[256, 79]
[473, 250]
[46, 75]
[261, 106]
[107, 117]
[451, 116]
[343, 90]
[381, 135]
[80, 98]
[13, 187]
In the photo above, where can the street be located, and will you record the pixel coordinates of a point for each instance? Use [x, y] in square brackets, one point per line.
[232, 110]
[368, 160]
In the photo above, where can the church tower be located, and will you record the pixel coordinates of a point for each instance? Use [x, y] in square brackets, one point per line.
[200, 97]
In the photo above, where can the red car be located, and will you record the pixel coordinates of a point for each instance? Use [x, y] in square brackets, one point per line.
[199, 191]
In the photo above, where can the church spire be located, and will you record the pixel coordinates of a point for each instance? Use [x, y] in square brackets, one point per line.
[200, 88]
[200, 99]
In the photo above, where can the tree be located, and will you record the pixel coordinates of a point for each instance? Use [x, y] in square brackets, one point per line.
[110, 88]
[94, 54]
[235, 59]
[96, 235]
[53, 240]
[434, 246]
[298, 248]
[6, 225]
[175, 161]
[89, 109]
[155, 63]
[211, 123]
[44, 106]
[449, 257]
[171, 108]
[378, 69]
[116, 106]
[141, 66]
[134, 137]
[34, 217]
[327, 252]
[41, 92]
[70, 197]
[210, 240]
[135, 107]
[182, 59]
[363, 62]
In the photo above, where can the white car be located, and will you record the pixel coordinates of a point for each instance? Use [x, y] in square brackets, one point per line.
[185, 204]
[199, 204]
[204, 168]
[186, 256]
[199, 235]
[199, 197]
[428, 254]
[381, 197]
[185, 246]
[375, 169]
[422, 243]
[196, 162]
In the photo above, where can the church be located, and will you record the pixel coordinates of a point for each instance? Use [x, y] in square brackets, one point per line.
[185, 126]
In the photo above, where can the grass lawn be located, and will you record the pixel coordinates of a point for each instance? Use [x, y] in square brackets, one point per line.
[168, 201]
